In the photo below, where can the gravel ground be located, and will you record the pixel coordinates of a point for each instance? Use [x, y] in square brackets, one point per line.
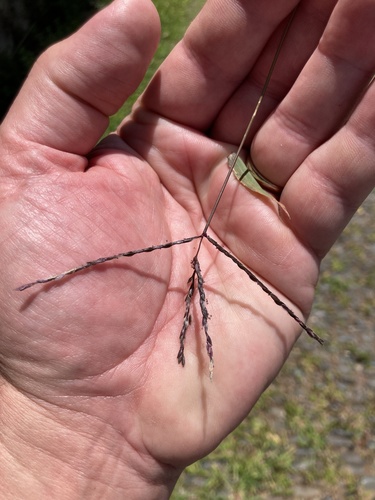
[341, 374]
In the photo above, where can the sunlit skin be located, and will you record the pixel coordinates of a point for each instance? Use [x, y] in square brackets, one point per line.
[93, 401]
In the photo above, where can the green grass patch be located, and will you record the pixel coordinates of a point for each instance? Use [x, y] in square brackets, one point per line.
[252, 460]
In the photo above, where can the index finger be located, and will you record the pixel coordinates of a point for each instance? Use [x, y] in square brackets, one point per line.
[216, 54]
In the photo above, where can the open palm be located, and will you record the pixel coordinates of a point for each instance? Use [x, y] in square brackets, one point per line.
[104, 342]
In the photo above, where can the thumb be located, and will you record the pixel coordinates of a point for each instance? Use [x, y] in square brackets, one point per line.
[78, 83]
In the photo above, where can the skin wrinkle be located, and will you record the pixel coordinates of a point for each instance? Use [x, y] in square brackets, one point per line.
[49, 89]
[337, 188]
[103, 106]
[301, 127]
[297, 127]
[349, 23]
[121, 454]
[104, 44]
[338, 60]
[161, 157]
[210, 64]
[362, 134]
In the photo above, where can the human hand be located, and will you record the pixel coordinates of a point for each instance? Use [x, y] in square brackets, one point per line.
[94, 356]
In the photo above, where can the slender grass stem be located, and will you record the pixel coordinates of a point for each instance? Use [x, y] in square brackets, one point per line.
[102, 260]
[265, 289]
[248, 128]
